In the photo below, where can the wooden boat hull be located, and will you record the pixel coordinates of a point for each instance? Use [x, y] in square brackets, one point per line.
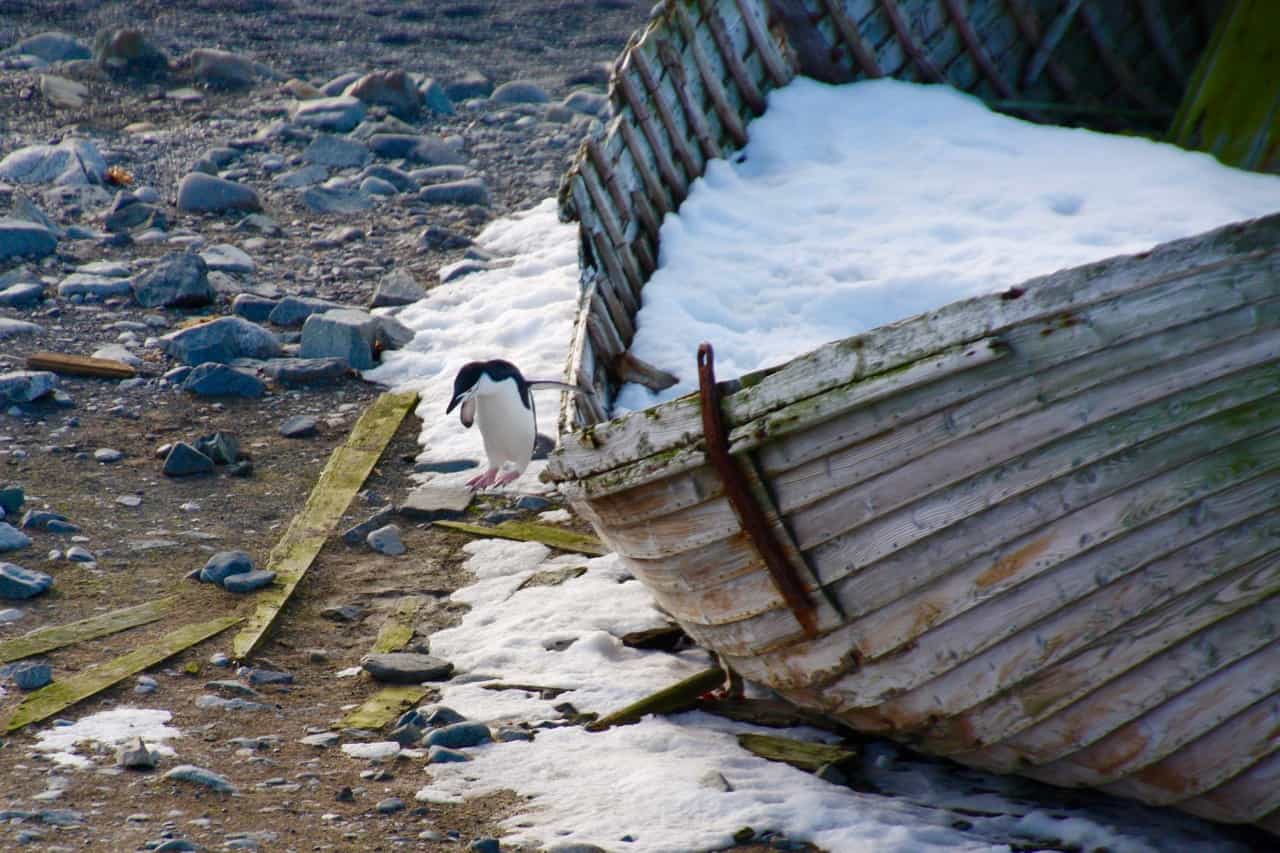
[1040, 530]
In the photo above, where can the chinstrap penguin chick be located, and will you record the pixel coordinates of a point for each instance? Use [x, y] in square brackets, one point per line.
[495, 396]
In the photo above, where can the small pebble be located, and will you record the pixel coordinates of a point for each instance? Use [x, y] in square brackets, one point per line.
[107, 455]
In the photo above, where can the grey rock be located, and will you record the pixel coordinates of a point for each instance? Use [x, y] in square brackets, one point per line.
[347, 334]
[128, 213]
[356, 534]
[52, 522]
[224, 564]
[394, 90]
[435, 503]
[444, 755]
[406, 667]
[466, 191]
[338, 114]
[255, 309]
[73, 162]
[588, 103]
[460, 269]
[220, 380]
[392, 334]
[338, 200]
[269, 676]
[134, 755]
[222, 447]
[324, 740]
[391, 805]
[184, 460]
[304, 177]
[222, 340]
[225, 257]
[459, 735]
[24, 386]
[17, 328]
[62, 92]
[31, 676]
[94, 288]
[472, 84]
[306, 371]
[26, 294]
[439, 175]
[511, 735]
[176, 845]
[11, 499]
[219, 69]
[435, 98]
[377, 187]
[406, 735]
[61, 817]
[534, 503]
[216, 159]
[121, 353]
[397, 287]
[52, 46]
[9, 615]
[199, 192]
[260, 223]
[249, 581]
[336, 152]
[19, 583]
[294, 310]
[520, 92]
[344, 613]
[19, 238]
[485, 845]
[336, 86]
[107, 455]
[179, 280]
[401, 180]
[442, 715]
[417, 148]
[128, 51]
[298, 426]
[386, 540]
[202, 777]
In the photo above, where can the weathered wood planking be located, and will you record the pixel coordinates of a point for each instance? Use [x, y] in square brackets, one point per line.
[56, 636]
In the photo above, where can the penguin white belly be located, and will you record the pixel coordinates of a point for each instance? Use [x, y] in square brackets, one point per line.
[507, 427]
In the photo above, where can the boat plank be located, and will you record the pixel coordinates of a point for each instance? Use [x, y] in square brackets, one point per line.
[1255, 793]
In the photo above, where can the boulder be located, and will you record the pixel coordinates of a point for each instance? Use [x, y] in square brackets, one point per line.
[397, 287]
[52, 46]
[221, 340]
[19, 583]
[72, 162]
[219, 69]
[199, 192]
[466, 191]
[179, 280]
[128, 51]
[24, 386]
[220, 380]
[425, 149]
[338, 114]
[520, 92]
[346, 333]
[394, 90]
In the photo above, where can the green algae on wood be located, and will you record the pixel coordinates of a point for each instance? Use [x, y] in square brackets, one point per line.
[384, 706]
[56, 636]
[342, 477]
[527, 531]
[397, 631]
[1231, 107]
[680, 696]
[798, 753]
[66, 692]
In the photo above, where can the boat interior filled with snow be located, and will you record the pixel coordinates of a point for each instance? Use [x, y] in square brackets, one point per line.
[1034, 528]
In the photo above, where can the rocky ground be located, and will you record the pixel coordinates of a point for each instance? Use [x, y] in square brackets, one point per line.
[210, 166]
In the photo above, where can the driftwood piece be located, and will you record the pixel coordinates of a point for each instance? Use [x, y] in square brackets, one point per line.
[527, 531]
[397, 631]
[80, 365]
[627, 367]
[64, 693]
[680, 696]
[310, 528]
[56, 636]
[770, 713]
[798, 753]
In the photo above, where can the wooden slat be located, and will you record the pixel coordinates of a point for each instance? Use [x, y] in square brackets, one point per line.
[397, 630]
[730, 120]
[638, 60]
[527, 531]
[639, 108]
[780, 72]
[80, 365]
[747, 87]
[65, 692]
[959, 18]
[694, 118]
[660, 195]
[53, 637]
[342, 477]
[384, 706]
[852, 38]
[928, 71]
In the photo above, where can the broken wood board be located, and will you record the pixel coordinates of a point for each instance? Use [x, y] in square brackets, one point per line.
[397, 631]
[770, 713]
[342, 477]
[80, 365]
[678, 697]
[384, 706]
[798, 753]
[527, 531]
[64, 693]
[56, 636]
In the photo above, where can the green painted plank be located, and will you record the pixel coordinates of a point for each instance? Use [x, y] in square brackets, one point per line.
[384, 706]
[56, 636]
[64, 693]
[669, 700]
[342, 477]
[1231, 107]
[798, 753]
[397, 631]
[526, 531]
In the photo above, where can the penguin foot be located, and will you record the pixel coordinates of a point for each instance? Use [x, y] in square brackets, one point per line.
[507, 477]
[482, 481]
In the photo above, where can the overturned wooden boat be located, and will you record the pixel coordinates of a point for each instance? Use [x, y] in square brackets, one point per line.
[1036, 531]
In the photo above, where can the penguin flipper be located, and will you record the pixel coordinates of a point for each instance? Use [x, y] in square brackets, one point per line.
[467, 414]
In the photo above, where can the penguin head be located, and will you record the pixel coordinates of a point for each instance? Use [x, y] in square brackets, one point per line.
[479, 377]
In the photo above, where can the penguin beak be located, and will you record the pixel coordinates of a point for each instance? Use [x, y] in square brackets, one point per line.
[468, 413]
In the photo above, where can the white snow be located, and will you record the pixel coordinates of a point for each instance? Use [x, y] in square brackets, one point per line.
[854, 207]
[106, 730]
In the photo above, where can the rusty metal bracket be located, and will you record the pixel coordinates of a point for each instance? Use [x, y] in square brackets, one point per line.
[745, 506]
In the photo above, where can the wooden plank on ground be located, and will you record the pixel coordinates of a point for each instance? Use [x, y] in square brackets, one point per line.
[384, 706]
[341, 479]
[397, 631]
[80, 365]
[678, 697]
[1231, 107]
[64, 693]
[527, 531]
[56, 636]
[798, 753]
